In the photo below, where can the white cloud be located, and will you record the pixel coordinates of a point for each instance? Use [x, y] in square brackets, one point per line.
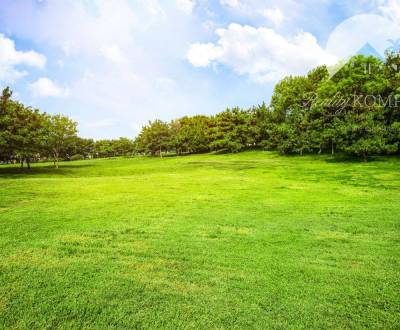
[274, 15]
[202, 55]
[10, 58]
[44, 87]
[261, 53]
[185, 5]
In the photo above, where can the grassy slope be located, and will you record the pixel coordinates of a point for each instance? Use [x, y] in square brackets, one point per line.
[248, 240]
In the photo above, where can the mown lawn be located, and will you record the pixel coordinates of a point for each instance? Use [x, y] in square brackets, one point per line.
[251, 240]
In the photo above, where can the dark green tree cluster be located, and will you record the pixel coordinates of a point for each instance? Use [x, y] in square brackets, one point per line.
[88, 148]
[27, 135]
[355, 111]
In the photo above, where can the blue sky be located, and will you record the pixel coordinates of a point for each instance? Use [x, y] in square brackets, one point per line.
[114, 65]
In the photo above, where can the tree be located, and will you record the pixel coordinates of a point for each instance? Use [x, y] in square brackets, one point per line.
[357, 124]
[6, 105]
[61, 132]
[21, 130]
[27, 134]
[291, 106]
[83, 147]
[232, 131]
[154, 138]
[190, 134]
[123, 147]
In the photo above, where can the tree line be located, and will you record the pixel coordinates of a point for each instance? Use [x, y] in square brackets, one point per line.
[28, 135]
[355, 111]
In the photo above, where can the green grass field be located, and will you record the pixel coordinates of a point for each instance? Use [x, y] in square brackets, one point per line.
[251, 240]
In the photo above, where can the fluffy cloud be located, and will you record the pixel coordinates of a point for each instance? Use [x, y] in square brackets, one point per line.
[10, 59]
[202, 55]
[44, 87]
[261, 53]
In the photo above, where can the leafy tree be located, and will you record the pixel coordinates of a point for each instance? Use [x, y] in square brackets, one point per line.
[83, 147]
[356, 123]
[154, 138]
[6, 120]
[61, 132]
[123, 147]
[232, 131]
[190, 134]
[27, 134]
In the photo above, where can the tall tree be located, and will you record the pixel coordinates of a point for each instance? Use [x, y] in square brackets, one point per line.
[6, 105]
[61, 133]
[154, 138]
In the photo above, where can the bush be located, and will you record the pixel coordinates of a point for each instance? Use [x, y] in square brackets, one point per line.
[77, 157]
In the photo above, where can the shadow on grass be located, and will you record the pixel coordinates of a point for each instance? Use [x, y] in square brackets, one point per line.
[232, 165]
[12, 172]
[355, 159]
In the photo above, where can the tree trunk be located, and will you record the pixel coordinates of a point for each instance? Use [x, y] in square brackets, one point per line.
[333, 149]
[22, 163]
[160, 152]
[28, 163]
[56, 159]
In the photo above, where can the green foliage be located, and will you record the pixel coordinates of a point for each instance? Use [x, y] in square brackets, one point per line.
[190, 134]
[154, 138]
[60, 136]
[232, 131]
[22, 130]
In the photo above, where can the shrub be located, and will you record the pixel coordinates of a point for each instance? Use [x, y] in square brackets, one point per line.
[77, 157]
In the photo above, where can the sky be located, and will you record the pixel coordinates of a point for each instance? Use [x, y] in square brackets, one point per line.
[114, 65]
